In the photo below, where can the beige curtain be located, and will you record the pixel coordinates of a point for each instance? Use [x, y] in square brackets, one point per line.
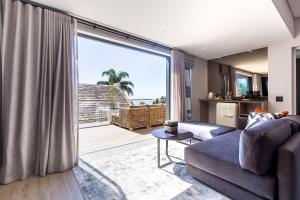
[233, 81]
[1, 81]
[177, 86]
[39, 132]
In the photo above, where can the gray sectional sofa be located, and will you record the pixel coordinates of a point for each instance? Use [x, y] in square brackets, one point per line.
[259, 163]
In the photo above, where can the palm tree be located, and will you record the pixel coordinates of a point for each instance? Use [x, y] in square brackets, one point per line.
[117, 78]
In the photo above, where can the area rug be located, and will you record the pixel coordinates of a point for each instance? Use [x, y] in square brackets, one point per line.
[134, 175]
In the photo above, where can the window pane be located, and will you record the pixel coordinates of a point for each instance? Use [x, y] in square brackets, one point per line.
[242, 84]
[113, 76]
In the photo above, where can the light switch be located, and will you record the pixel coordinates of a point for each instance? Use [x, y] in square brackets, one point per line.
[279, 98]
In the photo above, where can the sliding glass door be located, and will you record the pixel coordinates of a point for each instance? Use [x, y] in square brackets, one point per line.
[140, 76]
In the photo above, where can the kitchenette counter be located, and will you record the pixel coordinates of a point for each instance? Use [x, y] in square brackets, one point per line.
[234, 101]
[208, 107]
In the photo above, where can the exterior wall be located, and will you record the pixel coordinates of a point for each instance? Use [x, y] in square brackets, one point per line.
[281, 64]
[93, 102]
[199, 86]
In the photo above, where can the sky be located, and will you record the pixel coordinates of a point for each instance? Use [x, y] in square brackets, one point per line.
[146, 71]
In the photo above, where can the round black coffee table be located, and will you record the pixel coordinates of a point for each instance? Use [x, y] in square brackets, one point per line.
[160, 134]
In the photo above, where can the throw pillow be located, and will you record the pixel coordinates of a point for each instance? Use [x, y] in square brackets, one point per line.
[281, 114]
[258, 144]
[254, 118]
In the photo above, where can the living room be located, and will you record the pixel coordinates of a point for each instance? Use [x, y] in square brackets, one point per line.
[221, 121]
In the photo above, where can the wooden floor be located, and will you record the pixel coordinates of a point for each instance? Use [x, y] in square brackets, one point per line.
[58, 186]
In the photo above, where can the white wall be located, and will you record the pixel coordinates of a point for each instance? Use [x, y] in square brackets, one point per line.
[281, 64]
[199, 86]
[286, 14]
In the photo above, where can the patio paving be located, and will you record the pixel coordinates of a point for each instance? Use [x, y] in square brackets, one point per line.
[93, 124]
[108, 140]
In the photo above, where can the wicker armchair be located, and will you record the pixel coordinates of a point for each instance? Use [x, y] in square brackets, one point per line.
[157, 115]
[132, 117]
[115, 118]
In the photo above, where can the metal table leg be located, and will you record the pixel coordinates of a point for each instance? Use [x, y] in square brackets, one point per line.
[167, 155]
[158, 152]
[167, 147]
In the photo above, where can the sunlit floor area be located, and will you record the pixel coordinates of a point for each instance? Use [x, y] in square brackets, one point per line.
[106, 139]
[115, 163]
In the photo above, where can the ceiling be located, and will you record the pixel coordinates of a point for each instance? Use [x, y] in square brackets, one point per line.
[204, 28]
[295, 7]
[255, 61]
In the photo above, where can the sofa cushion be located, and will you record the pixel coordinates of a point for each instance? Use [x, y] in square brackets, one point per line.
[294, 121]
[259, 143]
[204, 131]
[219, 156]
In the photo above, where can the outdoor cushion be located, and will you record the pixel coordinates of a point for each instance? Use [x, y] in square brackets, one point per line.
[204, 131]
[259, 143]
[219, 156]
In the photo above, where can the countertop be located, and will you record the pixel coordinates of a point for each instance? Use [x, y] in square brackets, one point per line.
[234, 101]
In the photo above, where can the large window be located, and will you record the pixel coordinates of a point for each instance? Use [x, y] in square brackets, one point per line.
[243, 84]
[141, 76]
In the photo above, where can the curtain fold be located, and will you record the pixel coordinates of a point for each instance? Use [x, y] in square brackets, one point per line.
[233, 81]
[188, 65]
[188, 61]
[188, 94]
[178, 86]
[1, 68]
[39, 132]
[75, 79]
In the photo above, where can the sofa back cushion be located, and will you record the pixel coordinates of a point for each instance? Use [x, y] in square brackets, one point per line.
[294, 121]
[259, 143]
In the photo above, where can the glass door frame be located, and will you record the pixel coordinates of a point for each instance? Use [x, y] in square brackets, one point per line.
[168, 64]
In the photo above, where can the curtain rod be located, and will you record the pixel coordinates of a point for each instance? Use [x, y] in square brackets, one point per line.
[95, 25]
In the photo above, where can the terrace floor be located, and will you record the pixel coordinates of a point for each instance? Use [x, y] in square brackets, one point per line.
[108, 140]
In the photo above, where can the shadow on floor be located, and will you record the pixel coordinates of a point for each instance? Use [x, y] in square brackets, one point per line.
[145, 131]
[96, 185]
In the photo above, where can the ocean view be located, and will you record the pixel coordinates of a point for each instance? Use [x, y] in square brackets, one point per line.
[137, 102]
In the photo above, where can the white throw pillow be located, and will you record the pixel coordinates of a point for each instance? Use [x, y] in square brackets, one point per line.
[254, 118]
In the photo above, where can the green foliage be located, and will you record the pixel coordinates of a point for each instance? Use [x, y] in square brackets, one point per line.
[155, 101]
[118, 78]
[142, 103]
[243, 89]
[242, 85]
[161, 100]
[111, 95]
